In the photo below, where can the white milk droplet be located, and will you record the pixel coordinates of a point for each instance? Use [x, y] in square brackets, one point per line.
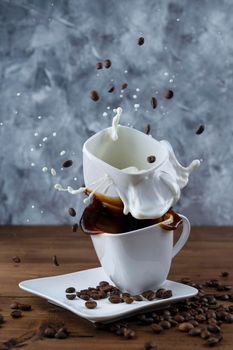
[105, 114]
[44, 169]
[36, 134]
[135, 96]
[31, 149]
[42, 211]
[45, 139]
[108, 107]
[54, 134]
[62, 153]
[166, 74]
[125, 71]
[32, 164]
[137, 89]
[137, 105]
[33, 206]
[18, 94]
[53, 172]
[121, 96]
[39, 117]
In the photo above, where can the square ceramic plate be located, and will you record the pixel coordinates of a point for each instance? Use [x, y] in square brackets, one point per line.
[53, 289]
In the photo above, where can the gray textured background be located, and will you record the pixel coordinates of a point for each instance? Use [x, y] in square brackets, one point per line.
[48, 52]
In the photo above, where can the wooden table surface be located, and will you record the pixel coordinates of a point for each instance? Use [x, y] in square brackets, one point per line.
[208, 252]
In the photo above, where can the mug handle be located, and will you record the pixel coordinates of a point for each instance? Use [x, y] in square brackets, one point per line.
[183, 237]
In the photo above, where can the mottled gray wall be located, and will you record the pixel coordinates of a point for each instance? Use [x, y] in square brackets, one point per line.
[48, 52]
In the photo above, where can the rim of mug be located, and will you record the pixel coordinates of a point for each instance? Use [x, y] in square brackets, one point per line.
[168, 221]
[91, 155]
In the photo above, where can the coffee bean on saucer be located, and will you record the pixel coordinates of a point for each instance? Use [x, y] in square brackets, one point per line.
[153, 102]
[90, 304]
[72, 212]
[70, 290]
[94, 95]
[84, 296]
[141, 41]
[99, 65]
[107, 63]
[70, 296]
[151, 159]
[103, 283]
[147, 129]
[156, 328]
[16, 259]
[159, 293]
[150, 345]
[55, 261]
[115, 299]
[16, 313]
[149, 294]
[200, 130]
[75, 228]
[167, 294]
[124, 86]
[225, 274]
[137, 297]
[25, 307]
[128, 300]
[111, 89]
[68, 163]
[168, 94]
[185, 327]
[49, 332]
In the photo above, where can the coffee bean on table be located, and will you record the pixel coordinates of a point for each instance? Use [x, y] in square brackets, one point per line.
[165, 324]
[75, 228]
[212, 341]
[153, 102]
[55, 261]
[205, 334]
[225, 274]
[195, 331]
[90, 304]
[107, 63]
[129, 333]
[150, 345]
[72, 212]
[16, 259]
[1, 319]
[141, 41]
[200, 130]
[99, 65]
[16, 313]
[151, 159]
[68, 163]
[111, 89]
[61, 334]
[14, 306]
[179, 318]
[25, 307]
[70, 296]
[124, 86]
[168, 94]
[213, 328]
[185, 327]
[49, 332]
[156, 328]
[94, 95]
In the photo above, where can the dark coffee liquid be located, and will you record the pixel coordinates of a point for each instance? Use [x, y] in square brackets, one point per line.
[98, 218]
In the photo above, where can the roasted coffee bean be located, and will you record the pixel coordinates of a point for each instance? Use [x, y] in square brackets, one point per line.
[211, 314]
[72, 212]
[168, 94]
[96, 296]
[212, 341]
[167, 294]
[55, 261]
[228, 318]
[185, 280]
[149, 294]
[205, 334]
[111, 89]
[84, 297]
[222, 297]
[94, 95]
[70, 290]
[90, 304]
[25, 307]
[213, 328]
[115, 299]
[103, 283]
[125, 295]
[16, 313]
[75, 228]
[141, 41]
[16, 259]
[153, 102]
[194, 323]
[124, 86]
[225, 274]
[129, 333]
[49, 332]
[200, 130]
[151, 159]
[107, 63]
[99, 65]
[227, 288]
[128, 300]
[14, 306]
[150, 345]
[173, 322]
[70, 296]
[212, 321]
[165, 324]
[67, 163]
[156, 328]
[200, 318]
[185, 327]
[138, 298]
[61, 334]
[179, 318]
[159, 293]
[195, 331]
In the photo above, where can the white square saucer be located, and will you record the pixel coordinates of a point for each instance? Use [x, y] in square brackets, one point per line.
[53, 289]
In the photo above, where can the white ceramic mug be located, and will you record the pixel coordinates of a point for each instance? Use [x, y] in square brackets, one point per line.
[147, 192]
[139, 260]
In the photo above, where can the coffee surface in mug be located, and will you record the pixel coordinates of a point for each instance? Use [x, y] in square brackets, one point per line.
[97, 218]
